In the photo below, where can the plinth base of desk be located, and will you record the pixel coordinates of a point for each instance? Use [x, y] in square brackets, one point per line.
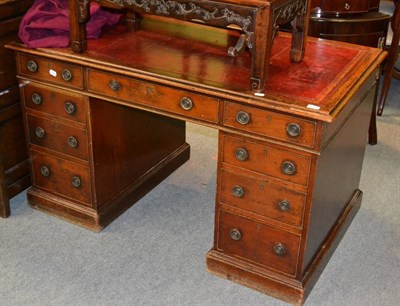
[278, 285]
[96, 220]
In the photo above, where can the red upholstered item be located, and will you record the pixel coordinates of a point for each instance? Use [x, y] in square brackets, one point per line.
[46, 24]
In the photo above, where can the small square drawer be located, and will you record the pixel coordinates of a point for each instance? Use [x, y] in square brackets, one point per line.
[262, 197]
[50, 71]
[266, 160]
[55, 102]
[258, 242]
[156, 96]
[59, 137]
[61, 177]
[270, 124]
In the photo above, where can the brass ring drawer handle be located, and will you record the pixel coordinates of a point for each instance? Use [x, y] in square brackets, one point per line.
[241, 154]
[288, 168]
[346, 6]
[45, 171]
[76, 181]
[186, 103]
[235, 234]
[70, 107]
[114, 85]
[243, 117]
[293, 129]
[72, 141]
[32, 66]
[40, 132]
[284, 205]
[237, 191]
[66, 75]
[279, 249]
[37, 99]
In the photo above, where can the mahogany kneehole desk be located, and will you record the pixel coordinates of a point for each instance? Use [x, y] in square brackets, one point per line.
[106, 126]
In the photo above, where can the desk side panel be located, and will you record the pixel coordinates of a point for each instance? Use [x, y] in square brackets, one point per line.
[337, 176]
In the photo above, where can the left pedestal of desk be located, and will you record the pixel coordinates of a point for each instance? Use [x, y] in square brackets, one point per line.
[14, 169]
[91, 159]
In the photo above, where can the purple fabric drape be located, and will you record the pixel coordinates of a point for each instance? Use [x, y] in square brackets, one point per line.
[46, 23]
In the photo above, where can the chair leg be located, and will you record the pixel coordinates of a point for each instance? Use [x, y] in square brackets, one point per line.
[392, 59]
[387, 78]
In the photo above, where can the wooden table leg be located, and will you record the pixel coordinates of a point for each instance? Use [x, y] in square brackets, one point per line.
[372, 130]
[261, 51]
[79, 14]
[299, 34]
[4, 200]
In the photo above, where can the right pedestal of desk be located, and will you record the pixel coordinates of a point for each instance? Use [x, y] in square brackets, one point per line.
[281, 209]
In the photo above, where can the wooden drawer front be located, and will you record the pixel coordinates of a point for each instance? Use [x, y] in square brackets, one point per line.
[345, 6]
[50, 71]
[266, 160]
[258, 242]
[161, 97]
[62, 177]
[56, 102]
[262, 197]
[270, 124]
[59, 137]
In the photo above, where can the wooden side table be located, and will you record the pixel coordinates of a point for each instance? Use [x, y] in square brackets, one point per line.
[257, 20]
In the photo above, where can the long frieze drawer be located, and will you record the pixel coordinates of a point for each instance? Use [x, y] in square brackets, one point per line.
[58, 137]
[267, 160]
[258, 242]
[56, 102]
[157, 96]
[51, 71]
[262, 197]
[266, 123]
[61, 177]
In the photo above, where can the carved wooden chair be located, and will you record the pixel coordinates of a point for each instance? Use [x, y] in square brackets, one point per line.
[394, 50]
[258, 21]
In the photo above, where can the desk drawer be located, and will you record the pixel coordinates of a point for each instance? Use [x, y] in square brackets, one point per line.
[55, 102]
[258, 242]
[59, 137]
[50, 71]
[61, 177]
[157, 96]
[274, 125]
[262, 197]
[266, 160]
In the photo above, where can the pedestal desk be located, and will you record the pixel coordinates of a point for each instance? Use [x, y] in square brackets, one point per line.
[107, 125]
